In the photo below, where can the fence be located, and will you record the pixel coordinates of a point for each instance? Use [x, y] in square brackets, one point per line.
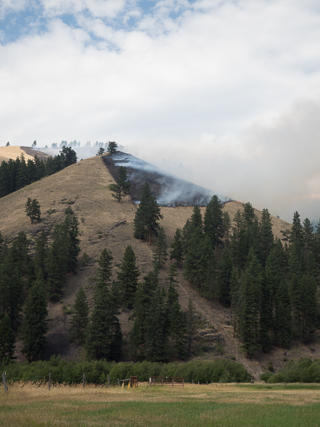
[171, 381]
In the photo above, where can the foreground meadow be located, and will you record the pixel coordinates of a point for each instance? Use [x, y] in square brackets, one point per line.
[194, 405]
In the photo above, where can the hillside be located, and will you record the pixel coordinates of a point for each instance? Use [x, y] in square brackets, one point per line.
[12, 152]
[105, 223]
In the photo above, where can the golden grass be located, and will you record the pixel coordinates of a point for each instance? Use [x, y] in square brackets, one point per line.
[13, 152]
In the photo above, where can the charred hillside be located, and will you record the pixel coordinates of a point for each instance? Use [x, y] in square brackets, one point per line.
[167, 189]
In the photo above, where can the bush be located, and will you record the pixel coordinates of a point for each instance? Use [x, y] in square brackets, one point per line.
[63, 372]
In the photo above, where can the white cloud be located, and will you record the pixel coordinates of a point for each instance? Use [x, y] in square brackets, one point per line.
[213, 78]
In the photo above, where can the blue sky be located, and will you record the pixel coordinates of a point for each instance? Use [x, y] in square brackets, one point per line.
[224, 93]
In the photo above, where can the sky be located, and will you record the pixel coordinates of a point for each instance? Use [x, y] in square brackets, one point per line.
[224, 93]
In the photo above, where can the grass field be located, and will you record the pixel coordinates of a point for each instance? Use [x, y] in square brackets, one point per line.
[193, 405]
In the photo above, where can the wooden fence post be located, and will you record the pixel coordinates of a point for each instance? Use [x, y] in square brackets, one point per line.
[49, 380]
[84, 380]
[4, 382]
[108, 381]
[118, 382]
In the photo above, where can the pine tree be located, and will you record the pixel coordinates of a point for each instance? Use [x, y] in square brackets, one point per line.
[104, 327]
[104, 336]
[105, 268]
[80, 318]
[213, 222]
[128, 278]
[176, 325]
[266, 235]
[34, 326]
[224, 278]
[41, 254]
[147, 216]
[156, 342]
[190, 325]
[251, 282]
[160, 253]
[33, 210]
[176, 252]
[122, 186]
[141, 307]
[112, 147]
[7, 341]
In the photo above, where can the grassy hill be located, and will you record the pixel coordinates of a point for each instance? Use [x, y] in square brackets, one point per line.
[105, 223]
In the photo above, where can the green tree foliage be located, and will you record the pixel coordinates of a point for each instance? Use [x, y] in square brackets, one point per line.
[80, 318]
[41, 254]
[141, 309]
[128, 276]
[62, 256]
[101, 151]
[112, 147]
[104, 336]
[7, 341]
[250, 291]
[176, 325]
[146, 221]
[160, 254]
[122, 186]
[15, 174]
[156, 338]
[34, 326]
[176, 252]
[213, 222]
[33, 210]
[224, 278]
[190, 325]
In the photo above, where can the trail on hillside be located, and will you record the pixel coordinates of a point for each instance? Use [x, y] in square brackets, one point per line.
[220, 318]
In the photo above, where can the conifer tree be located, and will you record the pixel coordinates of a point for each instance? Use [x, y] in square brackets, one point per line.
[147, 216]
[176, 325]
[224, 278]
[122, 186]
[251, 303]
[141, 308]
[213, 222]
[34, 326]
[156, 343]
[41, 254]
[128, 278]
[104, 334]
[266, 235]
[160, 253]
[176, 252]
[80, 318]
[105, 268]
[33, 210]
[190, 325]
[7, 341]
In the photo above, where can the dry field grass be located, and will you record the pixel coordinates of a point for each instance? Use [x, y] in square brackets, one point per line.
[13, 152]
[105, 223]
[193, 405]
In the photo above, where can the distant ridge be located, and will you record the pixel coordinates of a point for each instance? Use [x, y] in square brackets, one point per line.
[168, 189]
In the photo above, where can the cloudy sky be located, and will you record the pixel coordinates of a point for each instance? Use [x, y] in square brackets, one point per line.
[225, 93]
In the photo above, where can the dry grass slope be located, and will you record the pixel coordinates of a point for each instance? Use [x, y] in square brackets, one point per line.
[105, 223]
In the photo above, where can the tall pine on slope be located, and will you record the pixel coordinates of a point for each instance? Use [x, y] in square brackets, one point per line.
[128, 275]
[7, 341]
[176, 252]
[141, 307]
[104, 335]
[147, 216]
[80, 318]
[213, 222]
[160, 254]
[122, 186]
[34, 326]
